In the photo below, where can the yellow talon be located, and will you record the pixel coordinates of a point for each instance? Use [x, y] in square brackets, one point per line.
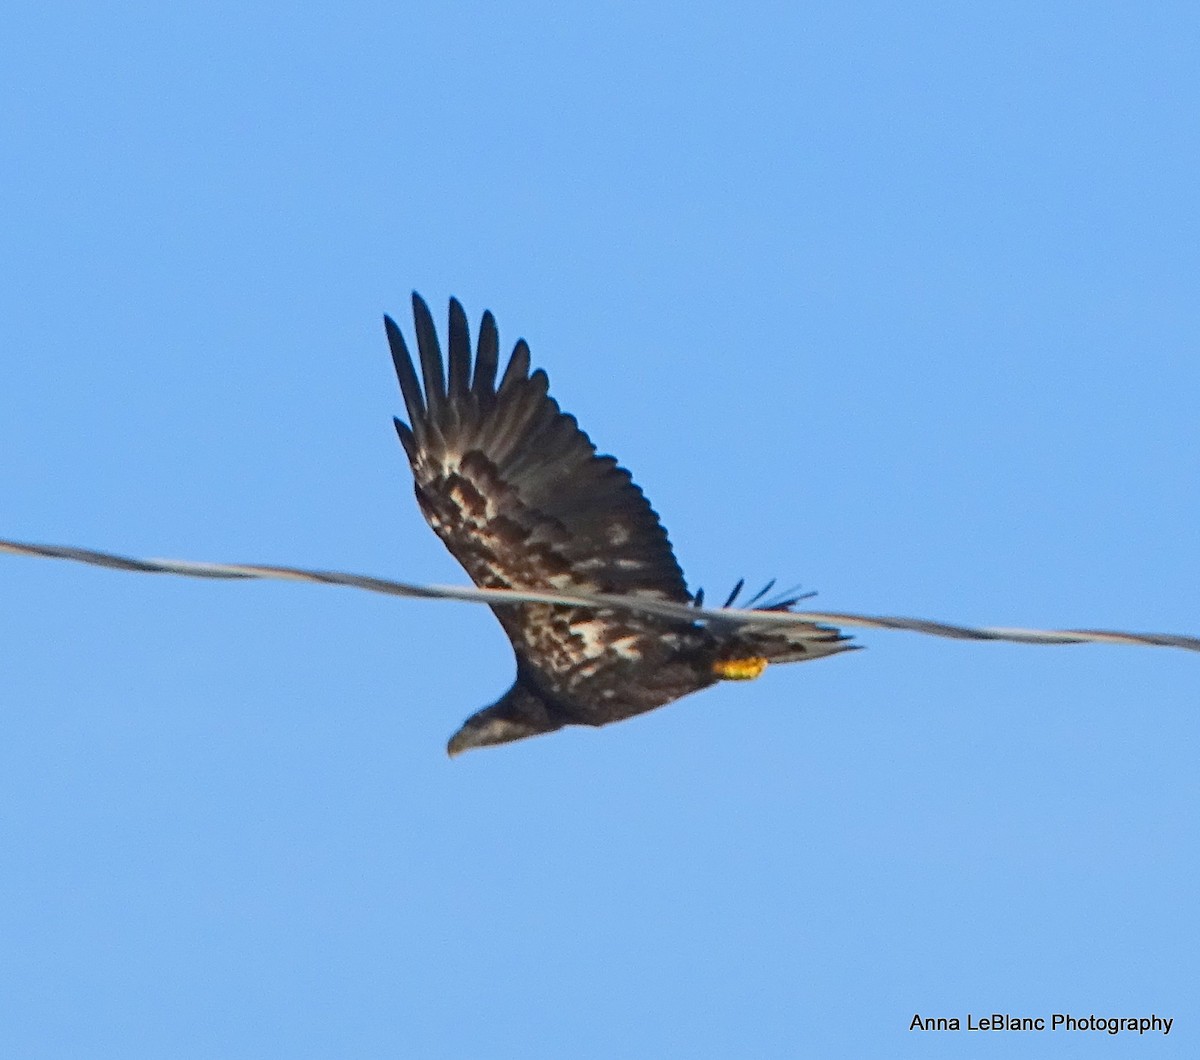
[740, 669]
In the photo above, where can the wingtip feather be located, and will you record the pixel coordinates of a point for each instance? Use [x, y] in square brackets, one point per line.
[518, 366]
[405, 373]
[430, 353]
[487, 356]
[460, 351]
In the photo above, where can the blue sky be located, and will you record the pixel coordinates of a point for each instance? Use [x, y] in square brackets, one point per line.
[896, 300]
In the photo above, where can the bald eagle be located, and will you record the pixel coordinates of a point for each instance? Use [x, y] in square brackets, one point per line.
[520, 497]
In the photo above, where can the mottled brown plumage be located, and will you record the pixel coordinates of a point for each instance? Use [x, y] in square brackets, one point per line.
[518, 494]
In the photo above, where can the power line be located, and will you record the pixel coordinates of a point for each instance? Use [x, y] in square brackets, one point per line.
[715, 616]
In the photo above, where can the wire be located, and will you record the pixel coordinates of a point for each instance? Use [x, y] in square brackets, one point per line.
[729, 617]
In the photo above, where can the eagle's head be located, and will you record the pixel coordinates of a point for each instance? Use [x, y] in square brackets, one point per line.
[519, 713]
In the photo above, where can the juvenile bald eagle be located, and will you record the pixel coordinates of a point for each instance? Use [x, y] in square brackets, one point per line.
[519, 496]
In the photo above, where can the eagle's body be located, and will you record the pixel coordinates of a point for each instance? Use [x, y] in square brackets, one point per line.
[518, 494]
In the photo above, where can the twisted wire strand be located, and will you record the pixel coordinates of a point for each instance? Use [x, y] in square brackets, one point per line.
[736, 617]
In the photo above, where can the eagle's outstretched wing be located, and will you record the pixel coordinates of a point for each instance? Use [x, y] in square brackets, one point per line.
[516, 490]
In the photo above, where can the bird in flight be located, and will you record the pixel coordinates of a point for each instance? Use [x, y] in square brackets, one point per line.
[520, 497]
